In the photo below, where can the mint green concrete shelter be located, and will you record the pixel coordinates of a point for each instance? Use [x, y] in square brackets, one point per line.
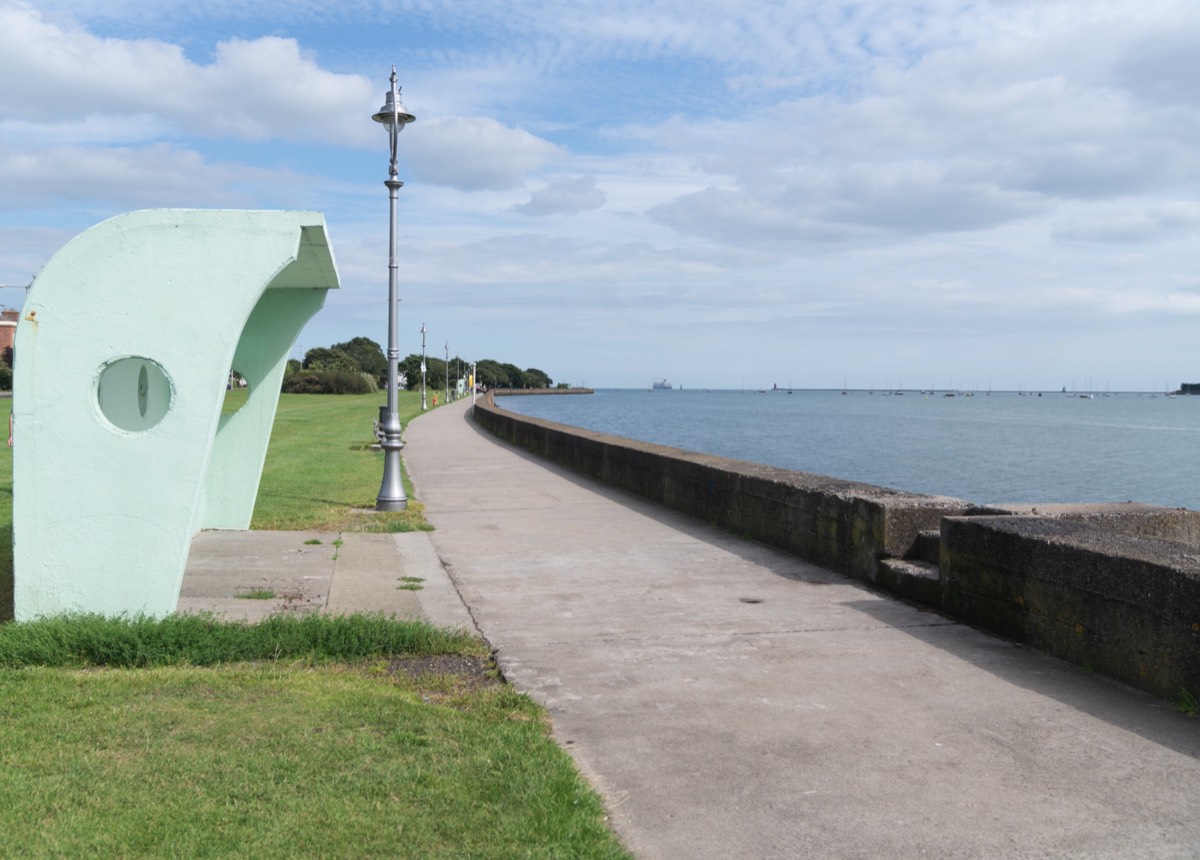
[124, 349]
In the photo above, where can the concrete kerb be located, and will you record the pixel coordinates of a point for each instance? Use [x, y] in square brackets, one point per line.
[439, 598]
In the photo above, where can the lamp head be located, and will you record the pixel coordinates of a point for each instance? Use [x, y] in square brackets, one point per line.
[393, 111]
[393, 117]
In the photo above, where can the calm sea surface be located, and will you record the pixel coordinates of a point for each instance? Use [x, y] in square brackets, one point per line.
[1002, 447]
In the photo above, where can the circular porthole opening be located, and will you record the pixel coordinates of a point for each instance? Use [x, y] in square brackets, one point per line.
[134, 393]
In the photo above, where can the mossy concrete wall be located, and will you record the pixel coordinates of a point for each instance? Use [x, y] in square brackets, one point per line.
[839, 524]
[1117, 592]
[1114, 588]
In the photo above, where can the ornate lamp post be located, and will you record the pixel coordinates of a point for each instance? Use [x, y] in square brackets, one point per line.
[394, 117]
[423, 330]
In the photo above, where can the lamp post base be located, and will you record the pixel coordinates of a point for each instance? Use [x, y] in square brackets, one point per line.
[391, 491]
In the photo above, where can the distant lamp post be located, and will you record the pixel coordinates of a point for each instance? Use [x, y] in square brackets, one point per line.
[394, 117]
[423, 330]
[447, 371]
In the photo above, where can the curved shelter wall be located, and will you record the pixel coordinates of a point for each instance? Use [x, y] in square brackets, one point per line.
[124, 347]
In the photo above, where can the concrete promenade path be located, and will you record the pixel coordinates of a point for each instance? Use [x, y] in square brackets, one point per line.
[732, 701]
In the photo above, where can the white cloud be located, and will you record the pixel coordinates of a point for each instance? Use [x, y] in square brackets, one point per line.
[920, 198]
[1015, 122]
[566, 195]
[1126, 225]
[860, 205]
[92, 130]
[253, 89]
[474, 153]
[87, 89]
[26, 250]
[1161, 64]
[131, 177]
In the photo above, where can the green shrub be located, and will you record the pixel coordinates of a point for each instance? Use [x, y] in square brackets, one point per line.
[372, 385]
[5, 377]
[305, 382]
[329, 382]
[324, 358]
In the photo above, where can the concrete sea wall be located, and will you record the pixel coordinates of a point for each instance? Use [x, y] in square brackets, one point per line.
[1114, 588]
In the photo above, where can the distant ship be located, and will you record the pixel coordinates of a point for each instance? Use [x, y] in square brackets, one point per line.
[662, 384]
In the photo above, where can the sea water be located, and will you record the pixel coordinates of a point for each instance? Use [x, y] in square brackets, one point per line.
[1003, 447]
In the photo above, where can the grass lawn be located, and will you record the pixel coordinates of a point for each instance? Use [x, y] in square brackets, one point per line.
[255, 762]
[320, 471]
[307, 736]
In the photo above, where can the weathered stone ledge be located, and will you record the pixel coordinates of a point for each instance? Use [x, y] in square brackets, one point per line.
[1111, 588]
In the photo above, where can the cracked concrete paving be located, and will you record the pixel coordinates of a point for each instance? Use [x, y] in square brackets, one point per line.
[319, 572]
[729, 700]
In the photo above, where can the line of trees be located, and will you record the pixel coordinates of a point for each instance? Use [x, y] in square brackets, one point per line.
[488, 372]
[359, 366]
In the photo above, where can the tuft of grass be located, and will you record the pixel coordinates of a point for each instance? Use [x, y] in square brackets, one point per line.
[313, 542]
[1187, 703]
[204, 640]
[257, 594]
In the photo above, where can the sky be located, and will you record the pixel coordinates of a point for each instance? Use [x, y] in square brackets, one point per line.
[723, 193]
